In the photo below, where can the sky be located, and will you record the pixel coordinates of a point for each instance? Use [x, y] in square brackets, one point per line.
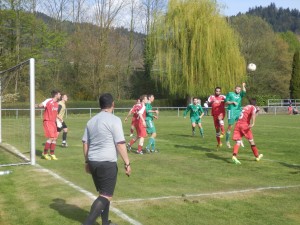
[233, 7]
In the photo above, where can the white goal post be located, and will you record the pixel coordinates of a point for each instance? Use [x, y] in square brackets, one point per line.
[31, 63]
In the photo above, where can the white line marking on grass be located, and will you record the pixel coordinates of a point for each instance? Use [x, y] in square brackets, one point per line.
[208, 194]
[90, 195]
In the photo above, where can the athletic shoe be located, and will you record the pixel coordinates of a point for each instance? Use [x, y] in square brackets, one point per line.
[219, 145]
[147, 150]
[235, 160]
[202, 135]
[128, 147]
[228, 144]
[46, 156]
[130, 135]
[259, 157]
[221, 136]
[139, 152]
[154, 150]
[53, 157]
[64, 144]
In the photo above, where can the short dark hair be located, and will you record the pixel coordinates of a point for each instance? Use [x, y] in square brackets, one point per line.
[106, 100]
[218, 88]
[252, 101]
[142, 97]
[54, 92]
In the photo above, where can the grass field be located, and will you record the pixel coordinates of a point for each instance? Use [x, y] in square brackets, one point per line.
[188, 182]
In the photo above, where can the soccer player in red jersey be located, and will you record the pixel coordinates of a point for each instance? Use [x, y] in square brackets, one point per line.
[134, 116]
[140, 125]
[217, 104]
[243, 129]
[49, 124]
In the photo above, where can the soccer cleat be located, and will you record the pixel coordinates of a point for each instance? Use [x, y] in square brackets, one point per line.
[219, 145]
[46, 156]
[259, 157]
[154, 150]
[228, 144]
[128, 147]
[130, 135]
[64, 144]
[139, 152]
[53, 157]
[221, 136]
[235, 160]
[147, 150]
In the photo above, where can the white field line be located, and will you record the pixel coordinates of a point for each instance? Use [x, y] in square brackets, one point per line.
[90, 195]
[207, 194]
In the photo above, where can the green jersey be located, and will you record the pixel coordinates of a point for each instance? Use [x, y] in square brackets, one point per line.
[196, 110]
[149, 115]
[234, 97]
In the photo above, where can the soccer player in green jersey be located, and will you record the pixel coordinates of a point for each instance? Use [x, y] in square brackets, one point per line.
[196, 113]
[150, 124]
[234, 107]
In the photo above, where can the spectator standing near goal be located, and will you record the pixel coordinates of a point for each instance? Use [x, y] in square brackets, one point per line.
[140, 125]
[61, 124]
[150, 124]
[103, 139]
[234, 108]
[205, 105]
[217, 103]
[243, 129]
[49, 124]
[196, 114]
[134, 116]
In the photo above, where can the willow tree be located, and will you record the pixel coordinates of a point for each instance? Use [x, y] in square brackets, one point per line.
[196, 50]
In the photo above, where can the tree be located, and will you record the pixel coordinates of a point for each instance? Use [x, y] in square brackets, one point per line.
[266, 49]
[295, 80]
[196, 50]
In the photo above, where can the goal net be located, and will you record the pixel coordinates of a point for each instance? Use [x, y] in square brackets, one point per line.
[17, 114]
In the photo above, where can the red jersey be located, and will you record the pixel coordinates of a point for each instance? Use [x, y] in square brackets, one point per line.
[247, 112]
[217, 104]
[135, 109]
[51, 110]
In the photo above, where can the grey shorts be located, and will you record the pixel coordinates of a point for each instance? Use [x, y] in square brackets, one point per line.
[104, 176]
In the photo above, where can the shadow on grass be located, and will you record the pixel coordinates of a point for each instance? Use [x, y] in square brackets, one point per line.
[215, 156]
[69, 211]
[193, 147]
[296, 167]
[38, 152]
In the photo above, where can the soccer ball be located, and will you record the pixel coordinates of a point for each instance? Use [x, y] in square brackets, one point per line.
[251, 67]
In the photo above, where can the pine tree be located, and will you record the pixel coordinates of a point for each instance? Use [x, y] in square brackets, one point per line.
[295, 80]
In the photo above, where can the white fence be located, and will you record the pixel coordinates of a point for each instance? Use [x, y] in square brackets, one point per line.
[176, 111]
[283, 102]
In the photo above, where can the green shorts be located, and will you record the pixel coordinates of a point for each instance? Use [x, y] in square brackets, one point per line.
[195, 120]
[233, 116]
[150, 127]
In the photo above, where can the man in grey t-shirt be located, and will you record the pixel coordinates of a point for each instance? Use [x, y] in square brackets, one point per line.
[103, 139]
